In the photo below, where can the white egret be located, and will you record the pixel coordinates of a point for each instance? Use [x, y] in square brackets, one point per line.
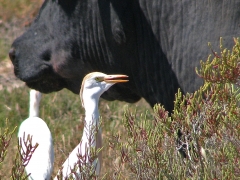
[93, 86]
[41, 163]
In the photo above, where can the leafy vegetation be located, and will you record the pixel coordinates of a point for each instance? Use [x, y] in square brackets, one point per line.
[200, 139]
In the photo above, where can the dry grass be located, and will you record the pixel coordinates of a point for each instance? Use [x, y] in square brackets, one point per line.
[63, 113]
[15, 16]
[20, 9]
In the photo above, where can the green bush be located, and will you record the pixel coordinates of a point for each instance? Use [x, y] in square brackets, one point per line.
[199, 140]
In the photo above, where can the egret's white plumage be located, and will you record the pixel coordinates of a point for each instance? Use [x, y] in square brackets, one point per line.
[41, 163]
[93, 86]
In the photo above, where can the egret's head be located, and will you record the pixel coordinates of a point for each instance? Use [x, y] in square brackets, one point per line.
[96, 83]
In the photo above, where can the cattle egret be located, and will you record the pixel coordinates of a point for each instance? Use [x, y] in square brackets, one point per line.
[93, 86]
[40, 165]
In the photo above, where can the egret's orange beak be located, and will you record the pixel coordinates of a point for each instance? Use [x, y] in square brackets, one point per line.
[118, 78]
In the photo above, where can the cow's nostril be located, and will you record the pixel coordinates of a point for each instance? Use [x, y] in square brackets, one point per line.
[46, 55]
[11, 54]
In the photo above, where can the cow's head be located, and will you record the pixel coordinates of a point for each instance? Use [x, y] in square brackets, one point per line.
[67, 41]
[43, 56]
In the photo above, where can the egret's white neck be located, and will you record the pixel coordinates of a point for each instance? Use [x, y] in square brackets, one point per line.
[35, 98]
[91, 109]
[91, 128]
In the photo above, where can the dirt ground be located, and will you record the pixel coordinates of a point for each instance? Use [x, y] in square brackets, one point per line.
[8, 32]
[7, 78]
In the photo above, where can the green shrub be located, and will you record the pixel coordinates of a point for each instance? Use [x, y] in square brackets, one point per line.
[199, 140]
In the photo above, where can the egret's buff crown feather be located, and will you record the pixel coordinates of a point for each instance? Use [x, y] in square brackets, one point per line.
[88, 76]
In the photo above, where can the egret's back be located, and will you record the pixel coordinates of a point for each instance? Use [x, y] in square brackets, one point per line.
[41, 164]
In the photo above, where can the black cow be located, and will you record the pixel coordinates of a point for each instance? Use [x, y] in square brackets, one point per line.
[158, 43]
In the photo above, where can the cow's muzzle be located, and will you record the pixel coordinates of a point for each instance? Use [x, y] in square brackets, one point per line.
[12, 54]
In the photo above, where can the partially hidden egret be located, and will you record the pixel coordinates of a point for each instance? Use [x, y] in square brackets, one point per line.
[93, 86]
[40, 165]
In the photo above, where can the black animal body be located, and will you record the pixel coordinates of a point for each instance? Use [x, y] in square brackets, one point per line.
[157, 43]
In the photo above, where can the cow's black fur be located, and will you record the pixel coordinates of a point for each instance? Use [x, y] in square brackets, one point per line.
[158, 43]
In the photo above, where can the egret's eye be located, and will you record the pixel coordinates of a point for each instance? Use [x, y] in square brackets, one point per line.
[98, 79]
